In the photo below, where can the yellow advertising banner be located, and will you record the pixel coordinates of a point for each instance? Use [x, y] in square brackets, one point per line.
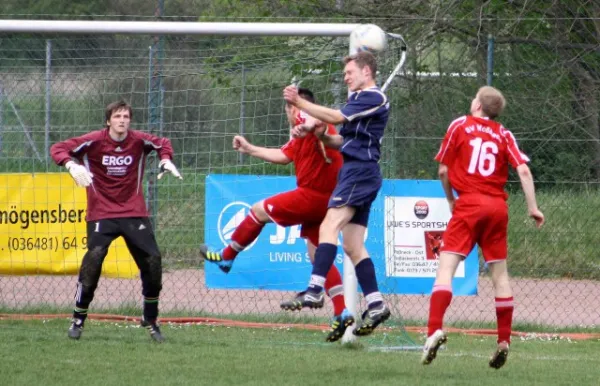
[43, 228]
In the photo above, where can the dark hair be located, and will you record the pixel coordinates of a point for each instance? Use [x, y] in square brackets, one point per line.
[306, 94]
[116, 106]
[362, 59]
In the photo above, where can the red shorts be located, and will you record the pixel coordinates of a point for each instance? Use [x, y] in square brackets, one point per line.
[301, 206]
[478, 219]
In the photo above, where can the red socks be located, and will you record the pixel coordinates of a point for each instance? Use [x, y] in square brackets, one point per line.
[248, 231]
[335, 290]
[244, 235]
[440, 300]
[504, 314]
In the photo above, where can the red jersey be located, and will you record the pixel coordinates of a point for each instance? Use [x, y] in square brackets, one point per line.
[316, 166]
[118, 169]
[477, 152]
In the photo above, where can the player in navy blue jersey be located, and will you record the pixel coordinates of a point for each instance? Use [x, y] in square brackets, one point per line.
[364, 118]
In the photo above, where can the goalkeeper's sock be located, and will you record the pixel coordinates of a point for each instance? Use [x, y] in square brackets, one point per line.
[441, 296]
[150, 308]
[244, 235]
[335, 290]
[504, 315]
[365, 275]
[80, 313]
[324, 258]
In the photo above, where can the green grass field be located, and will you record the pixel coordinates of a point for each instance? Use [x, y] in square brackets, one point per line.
[38, 352]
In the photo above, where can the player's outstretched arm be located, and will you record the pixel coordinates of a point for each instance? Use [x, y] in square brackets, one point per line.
[275, 156]
[334, 141]
[322, 113]
[443, 174]
[66, 152]
[162, 145]
[529, 189]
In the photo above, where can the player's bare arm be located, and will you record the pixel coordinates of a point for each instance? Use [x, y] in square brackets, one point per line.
[334, 141]
[529, 189]
[275, 156]
[443, 174]
[325, 114]
[310, 125]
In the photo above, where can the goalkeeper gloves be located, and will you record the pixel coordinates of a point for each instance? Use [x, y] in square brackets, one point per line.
[167, 166]
[80, 174]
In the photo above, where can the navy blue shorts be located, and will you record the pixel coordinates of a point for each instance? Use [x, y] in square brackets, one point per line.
[357, 186]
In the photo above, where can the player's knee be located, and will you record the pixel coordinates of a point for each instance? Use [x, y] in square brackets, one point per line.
[91, 266]
[327, 234]
[97, 252]
[330, 228]
[259, 211]
[154, 264]
[337, 218]
[500, 279]
[354, 249]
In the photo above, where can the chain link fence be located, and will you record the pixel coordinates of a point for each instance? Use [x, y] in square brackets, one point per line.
[200, 91]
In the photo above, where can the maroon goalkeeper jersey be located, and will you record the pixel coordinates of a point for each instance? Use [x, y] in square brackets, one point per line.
[118, 169]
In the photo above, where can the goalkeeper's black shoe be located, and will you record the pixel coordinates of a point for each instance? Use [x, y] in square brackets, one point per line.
[372, 318]
[76, 329]
[500, 356]
[304, 299]
[216, 258]
[154, 330]
[339, 325]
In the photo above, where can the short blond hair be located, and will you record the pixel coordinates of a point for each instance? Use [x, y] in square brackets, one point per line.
[492, 101]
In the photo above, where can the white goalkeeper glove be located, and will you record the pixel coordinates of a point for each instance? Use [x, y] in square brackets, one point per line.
[79, 173]
[167, 166]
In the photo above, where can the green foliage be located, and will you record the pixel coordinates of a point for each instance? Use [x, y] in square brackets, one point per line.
[564, 247]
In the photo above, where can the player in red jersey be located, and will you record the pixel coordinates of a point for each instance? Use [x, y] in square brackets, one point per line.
[316, 175]
[474, 158]
[110, 164]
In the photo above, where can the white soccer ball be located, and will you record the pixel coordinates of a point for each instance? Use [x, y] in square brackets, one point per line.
[368, 37]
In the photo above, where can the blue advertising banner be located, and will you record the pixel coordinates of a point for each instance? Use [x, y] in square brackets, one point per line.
[404, 234]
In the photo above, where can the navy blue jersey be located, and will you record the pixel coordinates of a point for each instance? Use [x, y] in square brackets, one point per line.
[366, 114]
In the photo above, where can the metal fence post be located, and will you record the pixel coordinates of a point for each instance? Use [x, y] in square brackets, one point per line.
[490, 60]
[242, 109]
[48, 101]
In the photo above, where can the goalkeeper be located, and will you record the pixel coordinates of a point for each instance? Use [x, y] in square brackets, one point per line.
[316, 174]
[109, 163]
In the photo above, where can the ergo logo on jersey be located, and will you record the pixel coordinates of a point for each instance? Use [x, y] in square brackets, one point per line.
[111, 160]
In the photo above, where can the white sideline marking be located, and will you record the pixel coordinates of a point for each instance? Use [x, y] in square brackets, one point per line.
[512, 356]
